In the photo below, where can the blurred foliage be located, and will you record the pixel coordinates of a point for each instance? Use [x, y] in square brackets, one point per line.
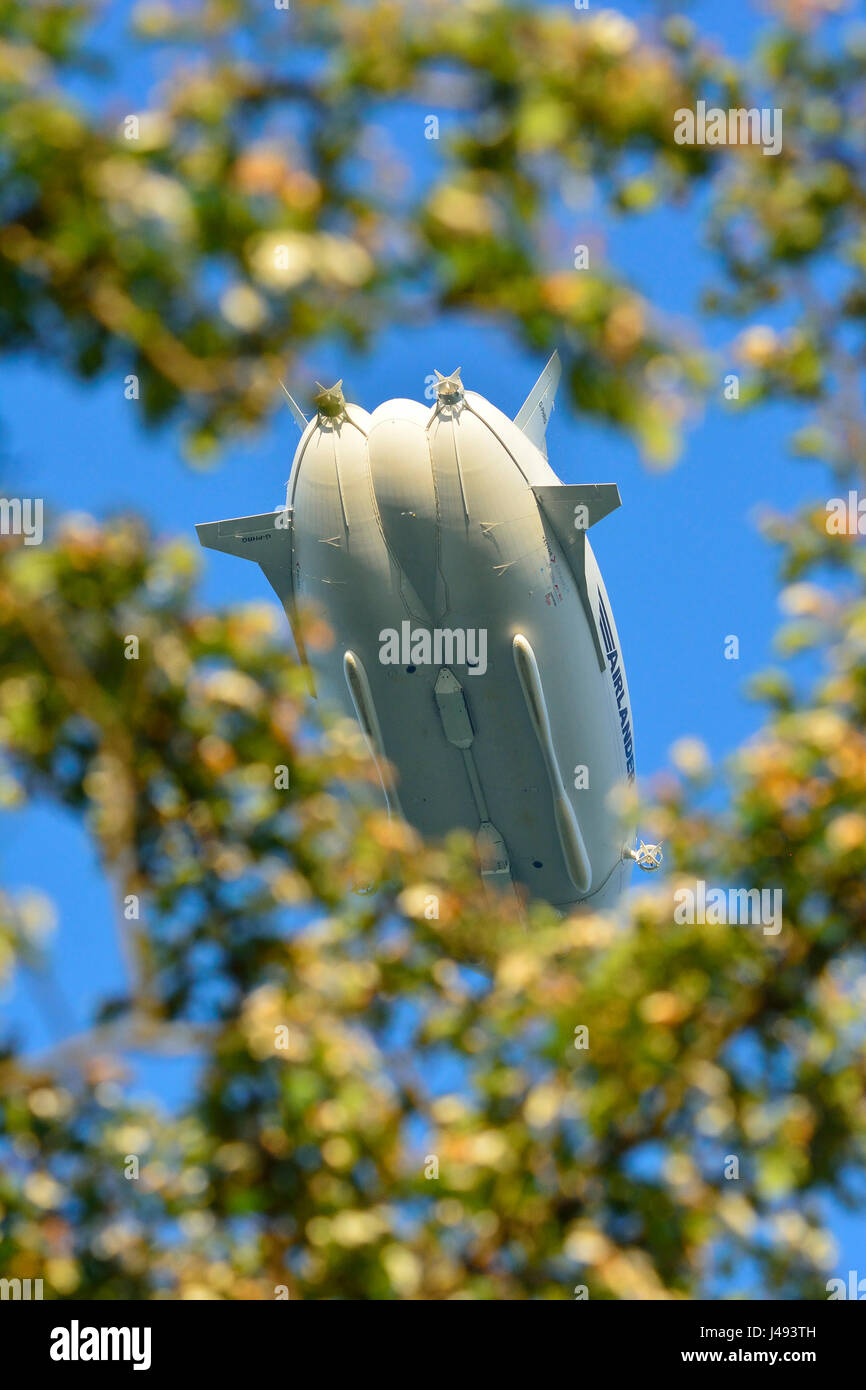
[361, 1013]
[303, 1159]
[260, 204]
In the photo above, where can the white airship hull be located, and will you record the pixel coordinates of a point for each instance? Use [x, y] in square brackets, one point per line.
[444, 536]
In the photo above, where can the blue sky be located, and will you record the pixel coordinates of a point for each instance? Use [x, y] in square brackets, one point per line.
[682, 558]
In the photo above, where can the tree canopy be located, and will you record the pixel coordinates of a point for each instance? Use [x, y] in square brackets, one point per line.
[322, 963]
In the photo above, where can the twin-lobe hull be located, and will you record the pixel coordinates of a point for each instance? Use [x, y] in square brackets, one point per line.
[474, 639]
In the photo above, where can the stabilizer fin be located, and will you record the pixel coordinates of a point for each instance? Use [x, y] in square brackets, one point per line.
[251, 537]
[300, 418]
[570, 509]
[266, 538]
[534, 414]
[562, 501]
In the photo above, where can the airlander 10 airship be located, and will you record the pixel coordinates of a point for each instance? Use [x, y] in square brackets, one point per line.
[474, 638]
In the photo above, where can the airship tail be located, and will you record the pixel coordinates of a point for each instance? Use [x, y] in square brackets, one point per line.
[265, 538]
[252, 537]
[537, 409]
[300, 418]
[570, 509]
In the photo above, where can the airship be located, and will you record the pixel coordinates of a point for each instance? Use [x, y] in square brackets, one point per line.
[474, 639]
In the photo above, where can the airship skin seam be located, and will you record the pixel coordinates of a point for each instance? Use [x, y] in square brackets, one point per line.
[444, 536]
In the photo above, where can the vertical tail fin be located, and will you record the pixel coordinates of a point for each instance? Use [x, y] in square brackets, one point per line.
[536, 410]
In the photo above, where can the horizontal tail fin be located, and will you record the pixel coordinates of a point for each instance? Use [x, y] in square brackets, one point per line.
[577, 506]
[251, 537]
[267, 539]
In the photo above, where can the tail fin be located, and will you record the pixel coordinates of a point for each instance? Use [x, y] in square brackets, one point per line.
[536, 410]
[267, 539]
[569, 510]
[252, 537]
[574, 507]
[300, 418]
